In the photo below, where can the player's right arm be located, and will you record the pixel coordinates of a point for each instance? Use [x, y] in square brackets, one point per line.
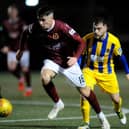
[23, 41]
[119, 52]
[76, 38]
[4, 45]
[83, 57]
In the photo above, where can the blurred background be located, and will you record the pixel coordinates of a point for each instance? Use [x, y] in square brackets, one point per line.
[78, 14]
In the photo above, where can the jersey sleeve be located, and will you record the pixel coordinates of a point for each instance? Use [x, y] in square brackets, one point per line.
[118, 50]
[70, 32]
[24, 36]
[85, 40]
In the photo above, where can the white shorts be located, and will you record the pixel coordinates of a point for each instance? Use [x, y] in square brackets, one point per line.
[74, 73]
[25, 59]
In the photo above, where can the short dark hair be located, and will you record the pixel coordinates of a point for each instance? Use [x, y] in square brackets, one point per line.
[99, 19]
[44, 11]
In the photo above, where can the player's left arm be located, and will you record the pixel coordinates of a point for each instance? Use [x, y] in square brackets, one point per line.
[125, 65]
[122, 58]
[23, 40]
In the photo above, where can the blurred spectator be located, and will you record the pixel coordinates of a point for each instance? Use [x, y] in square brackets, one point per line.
[12, 29]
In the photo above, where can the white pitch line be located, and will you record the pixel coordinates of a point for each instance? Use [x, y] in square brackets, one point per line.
[126, 111]
[59, 118]
[22, 102]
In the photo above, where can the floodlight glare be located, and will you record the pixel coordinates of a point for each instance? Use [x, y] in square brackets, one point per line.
[31, 2]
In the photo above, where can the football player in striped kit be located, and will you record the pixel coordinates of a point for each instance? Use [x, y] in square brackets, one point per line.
[98, 67]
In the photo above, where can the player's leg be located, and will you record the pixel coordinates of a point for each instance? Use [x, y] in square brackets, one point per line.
[78, 79]
[14, 69]
[109, 83]
[85, 109]
[48, 72]
[27, 78]
[85, 106]
[25, 66]
[117, 102]
[91, 97]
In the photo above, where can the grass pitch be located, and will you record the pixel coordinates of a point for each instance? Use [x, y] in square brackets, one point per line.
[31, 112]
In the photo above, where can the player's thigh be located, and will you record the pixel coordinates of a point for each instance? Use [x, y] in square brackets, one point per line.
[45, 72]
[48, 71]
[25, 60]
[109, 83]
[89, 77]
[11, 60]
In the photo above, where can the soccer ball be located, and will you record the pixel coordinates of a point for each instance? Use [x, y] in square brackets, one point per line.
[5, 107]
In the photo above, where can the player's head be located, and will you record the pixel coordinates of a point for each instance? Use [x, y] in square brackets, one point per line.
[100, 26]
[45, 16]
[12, 11]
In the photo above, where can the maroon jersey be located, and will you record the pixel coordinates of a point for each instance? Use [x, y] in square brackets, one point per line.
[58, 43]
[12, 32]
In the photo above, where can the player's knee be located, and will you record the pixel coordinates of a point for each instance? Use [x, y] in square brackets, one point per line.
[12, 66]
[45, 77]
[11, 69]
[116, 99]
[85, 91]
[25, 69]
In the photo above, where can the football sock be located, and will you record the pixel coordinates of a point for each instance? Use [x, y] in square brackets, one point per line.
[27, 78]
[16, 73]
[94, 102]
[51, 91]
[85, 108]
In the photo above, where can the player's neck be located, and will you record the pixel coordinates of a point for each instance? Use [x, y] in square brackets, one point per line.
[104, 36]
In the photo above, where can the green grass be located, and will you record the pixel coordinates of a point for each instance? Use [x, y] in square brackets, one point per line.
[31, 112]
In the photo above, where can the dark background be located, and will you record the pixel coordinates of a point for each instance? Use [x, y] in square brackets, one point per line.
[77, 14]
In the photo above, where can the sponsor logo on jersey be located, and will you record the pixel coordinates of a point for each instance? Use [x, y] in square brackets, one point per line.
[54, 36]
[72, 31]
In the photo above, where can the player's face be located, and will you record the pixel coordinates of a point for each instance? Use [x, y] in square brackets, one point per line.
[46, 22]
[12, 12]
[99, 30]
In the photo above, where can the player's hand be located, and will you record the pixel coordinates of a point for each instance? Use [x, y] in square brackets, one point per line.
[71, 61]
[19, 55]
[127, 76]
[5, 50]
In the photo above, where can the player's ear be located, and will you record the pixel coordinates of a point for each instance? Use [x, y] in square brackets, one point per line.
[51, 15]
[106, 27]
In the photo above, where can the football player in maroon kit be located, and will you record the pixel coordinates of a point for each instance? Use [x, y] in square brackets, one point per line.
[61, 46]
[12, 29]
